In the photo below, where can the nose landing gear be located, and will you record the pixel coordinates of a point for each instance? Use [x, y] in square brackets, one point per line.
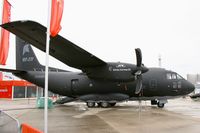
[159, 103]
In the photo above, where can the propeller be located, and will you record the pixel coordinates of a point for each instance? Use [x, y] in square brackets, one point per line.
[138, 57]
[140, 68]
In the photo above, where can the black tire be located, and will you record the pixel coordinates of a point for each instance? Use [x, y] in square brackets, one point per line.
[91, 104]
[104, 104]
[160, 105]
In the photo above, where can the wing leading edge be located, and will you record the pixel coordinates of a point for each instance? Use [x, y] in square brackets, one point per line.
[60, 48]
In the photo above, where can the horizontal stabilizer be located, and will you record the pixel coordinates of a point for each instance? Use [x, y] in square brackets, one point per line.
[12, 71]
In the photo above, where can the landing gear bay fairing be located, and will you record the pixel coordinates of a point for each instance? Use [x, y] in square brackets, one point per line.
[100, 83]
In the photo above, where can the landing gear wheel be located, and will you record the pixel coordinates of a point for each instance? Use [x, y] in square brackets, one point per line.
[91, 104]
[112, 104]
[160, 105]
[104, 104]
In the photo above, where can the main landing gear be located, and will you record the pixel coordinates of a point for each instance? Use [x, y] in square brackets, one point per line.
[91, 104]
[100, 104]
[159, 103]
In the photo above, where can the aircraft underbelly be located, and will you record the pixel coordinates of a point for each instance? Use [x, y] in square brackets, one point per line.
[112, 97]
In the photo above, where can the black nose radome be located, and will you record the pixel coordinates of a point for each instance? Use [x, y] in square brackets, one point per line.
[191, 87]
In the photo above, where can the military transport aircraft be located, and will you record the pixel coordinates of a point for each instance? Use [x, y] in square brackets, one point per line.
[100, 82]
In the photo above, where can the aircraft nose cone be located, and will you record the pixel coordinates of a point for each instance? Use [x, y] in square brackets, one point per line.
[191, 87]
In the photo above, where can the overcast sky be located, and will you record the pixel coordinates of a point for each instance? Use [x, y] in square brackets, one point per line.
[112, 29]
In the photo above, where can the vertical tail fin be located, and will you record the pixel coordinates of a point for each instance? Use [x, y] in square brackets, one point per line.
[25, 56]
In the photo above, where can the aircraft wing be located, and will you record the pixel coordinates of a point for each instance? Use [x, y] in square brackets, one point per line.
[60, 48]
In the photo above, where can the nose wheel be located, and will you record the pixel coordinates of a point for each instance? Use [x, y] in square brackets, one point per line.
[159, 103]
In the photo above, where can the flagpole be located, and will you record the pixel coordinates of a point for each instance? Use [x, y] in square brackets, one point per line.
[47, 68]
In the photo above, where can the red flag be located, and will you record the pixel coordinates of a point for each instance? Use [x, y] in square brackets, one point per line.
[56, 16]
[1, 76]
[4, 39]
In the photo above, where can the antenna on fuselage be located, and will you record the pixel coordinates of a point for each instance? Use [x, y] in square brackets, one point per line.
[159, 60]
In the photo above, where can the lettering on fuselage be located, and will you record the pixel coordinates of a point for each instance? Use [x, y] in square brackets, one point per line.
[119, 68]
[27, 59]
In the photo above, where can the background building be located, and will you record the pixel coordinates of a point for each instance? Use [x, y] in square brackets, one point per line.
[13, 87]
[195, 79]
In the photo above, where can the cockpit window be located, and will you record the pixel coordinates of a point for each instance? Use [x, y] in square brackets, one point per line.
[173, 76]
[169, 76]
[179, 77]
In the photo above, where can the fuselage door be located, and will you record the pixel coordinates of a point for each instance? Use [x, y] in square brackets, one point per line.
[74, 86]
[153, 84]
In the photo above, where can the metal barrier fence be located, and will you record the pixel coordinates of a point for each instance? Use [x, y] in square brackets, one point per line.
[8, 124]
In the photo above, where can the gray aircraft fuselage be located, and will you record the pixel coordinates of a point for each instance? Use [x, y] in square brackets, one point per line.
[79, 85]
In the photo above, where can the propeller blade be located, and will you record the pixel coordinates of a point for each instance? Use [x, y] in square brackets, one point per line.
[139, 57]
[139, 85]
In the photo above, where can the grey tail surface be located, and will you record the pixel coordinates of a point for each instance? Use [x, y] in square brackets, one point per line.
[25, 57]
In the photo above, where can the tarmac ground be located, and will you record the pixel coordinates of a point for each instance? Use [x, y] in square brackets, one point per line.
[178, 116]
